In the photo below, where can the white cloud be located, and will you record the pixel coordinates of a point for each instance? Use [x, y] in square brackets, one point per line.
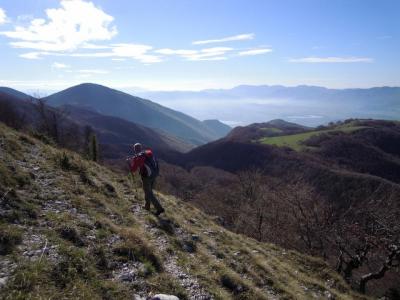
[115, 52]
[215, 53]
[209, 58]
[92, 71]
[67, 28]
[142, 53]
[331, 59]
[167, 51]
[134, 51]
[130, 50]
[3, 17]
[255, 52]
[25, 18]
[216, 49]
[57, 65]
[78, 29]
[239, 37]
[31, 55]
[94, 46]
[84, 72]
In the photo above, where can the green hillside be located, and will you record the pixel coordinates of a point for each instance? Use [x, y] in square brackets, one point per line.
[72, 229]
[295, 141]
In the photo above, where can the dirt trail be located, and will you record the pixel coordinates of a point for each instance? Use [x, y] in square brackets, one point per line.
[190, 283]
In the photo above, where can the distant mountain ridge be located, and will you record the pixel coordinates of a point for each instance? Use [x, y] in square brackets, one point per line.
[299, 92]
[307, 105]
[141, 111]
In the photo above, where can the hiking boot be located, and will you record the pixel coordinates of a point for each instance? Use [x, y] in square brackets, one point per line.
[160, 211]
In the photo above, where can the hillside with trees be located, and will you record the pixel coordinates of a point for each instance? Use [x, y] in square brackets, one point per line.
[332, 193]
[72, 228]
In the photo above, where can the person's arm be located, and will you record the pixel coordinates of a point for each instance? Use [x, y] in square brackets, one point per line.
[136, 163]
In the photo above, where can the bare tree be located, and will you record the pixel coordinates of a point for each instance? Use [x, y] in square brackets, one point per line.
[368, 240]
[9, 114]
[257, 206]
[310, 217]
[392, 261]
[51, 119]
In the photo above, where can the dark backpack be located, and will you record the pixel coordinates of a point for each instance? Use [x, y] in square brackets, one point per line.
[151, 163]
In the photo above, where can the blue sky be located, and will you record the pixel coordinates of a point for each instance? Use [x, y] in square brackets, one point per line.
[199, 44]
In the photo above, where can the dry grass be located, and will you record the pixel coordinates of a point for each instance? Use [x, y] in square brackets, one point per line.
[227, 265]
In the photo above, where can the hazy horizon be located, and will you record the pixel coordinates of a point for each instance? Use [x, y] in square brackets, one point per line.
[253, 104]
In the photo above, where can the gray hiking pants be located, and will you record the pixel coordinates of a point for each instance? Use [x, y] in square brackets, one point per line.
[148, 183]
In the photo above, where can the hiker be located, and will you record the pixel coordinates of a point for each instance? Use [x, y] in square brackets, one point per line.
[147, 164]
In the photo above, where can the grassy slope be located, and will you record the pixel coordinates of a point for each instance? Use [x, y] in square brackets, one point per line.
[73, 229]
[294, 141]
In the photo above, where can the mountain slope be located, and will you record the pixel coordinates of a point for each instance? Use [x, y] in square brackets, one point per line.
[115, 103]
[343, 164]
[73, 229]
[119, 134]
[13, 93]
[114, 135]
[219, 128]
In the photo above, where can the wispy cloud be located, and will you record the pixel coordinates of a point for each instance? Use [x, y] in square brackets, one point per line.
[25, 18]
[57, 65]
[181, 52]
[214, 58]
[135, 51]
[67, 28]
[31, 55]
[254, 52]
[3, 17]
[332, 59]
[239, 37]
[215, 53]
[92, 71]
[116, 52]
[95, 46]
[88, 71]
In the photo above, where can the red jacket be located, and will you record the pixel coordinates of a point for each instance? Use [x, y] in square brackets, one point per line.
[138, 162]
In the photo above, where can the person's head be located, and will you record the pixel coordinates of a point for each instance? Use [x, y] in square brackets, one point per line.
[137, 148]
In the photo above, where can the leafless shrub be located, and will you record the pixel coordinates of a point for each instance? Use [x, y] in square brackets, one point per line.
[9, 114]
